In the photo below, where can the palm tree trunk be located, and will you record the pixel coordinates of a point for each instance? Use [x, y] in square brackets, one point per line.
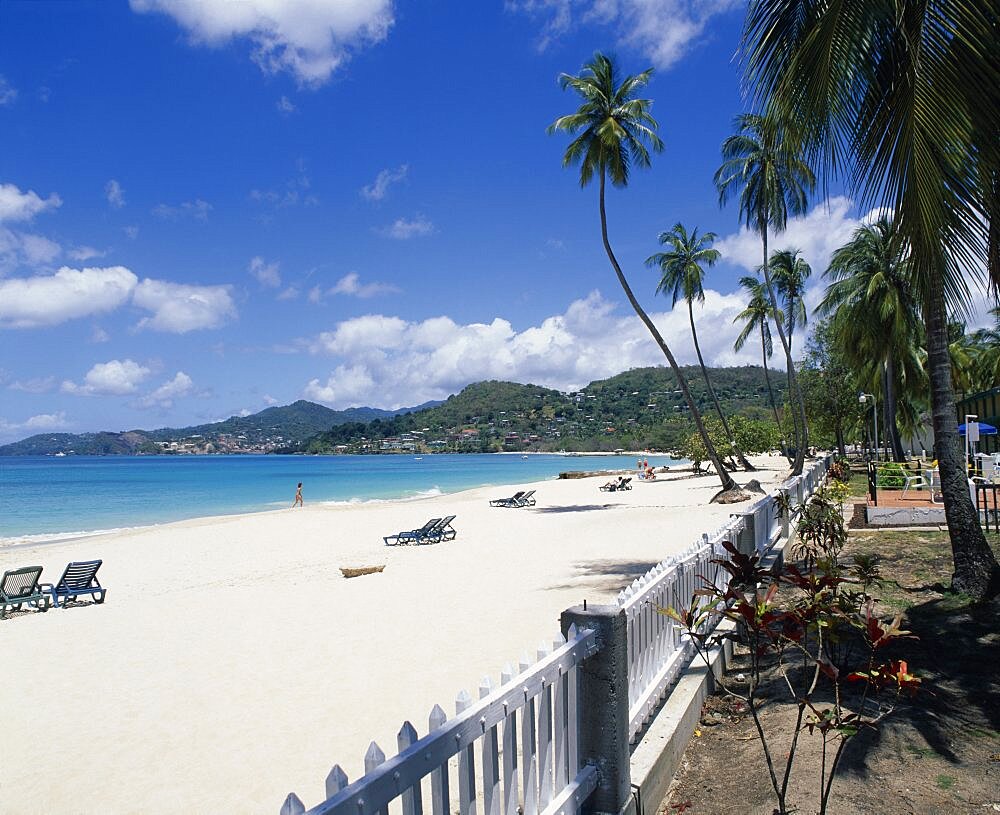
[801, 439]
[746, 465]
[770, 392]
[977, 572]
[723, 473]
[892, 428]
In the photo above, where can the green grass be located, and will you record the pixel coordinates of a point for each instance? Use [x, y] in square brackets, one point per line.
[945, 782]
[920, 752]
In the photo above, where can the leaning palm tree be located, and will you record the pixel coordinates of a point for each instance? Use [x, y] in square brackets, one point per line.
[612, 128]
[757, 316]
[789, 273]
[761, 166]
[874, 314]
[682, 275]
[902, 100]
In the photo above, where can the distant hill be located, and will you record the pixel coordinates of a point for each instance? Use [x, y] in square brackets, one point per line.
[270, 429]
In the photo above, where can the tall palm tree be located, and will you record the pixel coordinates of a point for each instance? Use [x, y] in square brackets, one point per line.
[789, 273]
[761, 166]
[611, 129]
[682, 275]
[757, 316]
[874, 315]
[902, 99]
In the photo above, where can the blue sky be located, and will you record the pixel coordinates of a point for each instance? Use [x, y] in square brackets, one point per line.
[206, 209]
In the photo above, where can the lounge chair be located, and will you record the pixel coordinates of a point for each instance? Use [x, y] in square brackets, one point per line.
[79, 578]
[625, 484]
[414, 535]
[508, 502]
[611, 486]
[526, 500]
[20, 587]
[445, 531]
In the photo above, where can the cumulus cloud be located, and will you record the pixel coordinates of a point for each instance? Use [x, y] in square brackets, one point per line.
[113, 378]
[403, 229]
[23, 206]
[392, 362]
[68, 294]
[8, 93]
[663, 31]
[115, 194]
[377, 190]
[307, 38]
[85, 253]
[196, 209]
[267, 274]
[178, 308]
[41, 384]
[350, 285]
[163, 397]
[40, 423]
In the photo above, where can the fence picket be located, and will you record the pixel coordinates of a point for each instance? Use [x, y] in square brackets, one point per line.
[572, 723]
[491, 760]
[292, 805]
[560, 714]
[335, 781]
[412, 796]
[373, 758]
[509, 747]
[544, 738]
[466, 766]
[529, 749]
[439, 776]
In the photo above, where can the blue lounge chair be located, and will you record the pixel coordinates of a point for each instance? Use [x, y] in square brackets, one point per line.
[20, 587]
[508, 502]
[79, 578]
[445, 530]
[414, 535]
[526, 500]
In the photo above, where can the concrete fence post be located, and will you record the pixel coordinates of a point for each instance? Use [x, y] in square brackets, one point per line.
[603, 706]
[746, 541]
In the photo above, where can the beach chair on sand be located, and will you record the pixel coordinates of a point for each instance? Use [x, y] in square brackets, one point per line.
[611, 486]
[445, 531]
[625, 484]
[414, 535]
[79, 578]
[526, 500]
[508, 502]
[20, 587]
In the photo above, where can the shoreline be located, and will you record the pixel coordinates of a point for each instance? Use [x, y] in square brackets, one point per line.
[233, 662]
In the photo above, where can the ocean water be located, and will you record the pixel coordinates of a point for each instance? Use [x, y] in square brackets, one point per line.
[48, 497]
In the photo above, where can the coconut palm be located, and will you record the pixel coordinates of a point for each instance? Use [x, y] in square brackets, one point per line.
[757, 316]
[874, 315]
[902, 100]
[682, 275]
[761, 166]
[612, 128]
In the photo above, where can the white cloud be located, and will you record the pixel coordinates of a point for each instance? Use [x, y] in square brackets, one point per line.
[350, 285]
[36, 250]
[35, 424]
[391, 362]
[285, 106]
[308, 38]
[30, 302]
[662, 30]
[403, 229]
[85, 253]
[178, 308]
[269, 400]
[267, 274]
[377, 190]
[8, 93]
[196, 209]
[41, 384]
[113, 378]
[163, 397]
[295, 191]
[115, 194]
[23, 206]
[99, 335]
[131, 232]
[289, 293]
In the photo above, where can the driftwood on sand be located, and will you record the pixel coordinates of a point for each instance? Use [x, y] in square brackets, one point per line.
[357, 571]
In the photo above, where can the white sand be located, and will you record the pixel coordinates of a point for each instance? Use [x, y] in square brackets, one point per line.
[232, 663]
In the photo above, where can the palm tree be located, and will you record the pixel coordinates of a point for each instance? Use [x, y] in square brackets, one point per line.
[874, 314]
[611, 129]
[789, 273]
[758, 315]
[683, 276]
[761, 165]
[903, 101]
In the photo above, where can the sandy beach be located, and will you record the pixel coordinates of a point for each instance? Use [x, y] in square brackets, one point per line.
[233, 663]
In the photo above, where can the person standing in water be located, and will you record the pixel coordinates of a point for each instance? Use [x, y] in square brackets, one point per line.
[298, 496]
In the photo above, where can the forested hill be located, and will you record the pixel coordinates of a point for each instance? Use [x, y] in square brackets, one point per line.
[637, 409]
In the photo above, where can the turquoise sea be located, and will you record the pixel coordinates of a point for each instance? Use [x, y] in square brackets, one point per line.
[47, 497]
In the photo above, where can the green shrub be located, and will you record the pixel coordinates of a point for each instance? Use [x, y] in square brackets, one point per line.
[891, 475]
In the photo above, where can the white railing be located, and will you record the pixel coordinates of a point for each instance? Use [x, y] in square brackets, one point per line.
[524, 734]
[656, 651]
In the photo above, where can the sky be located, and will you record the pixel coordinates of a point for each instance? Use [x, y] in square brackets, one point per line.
[210, 208]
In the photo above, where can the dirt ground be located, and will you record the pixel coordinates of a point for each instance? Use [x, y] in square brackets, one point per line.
[939, 753]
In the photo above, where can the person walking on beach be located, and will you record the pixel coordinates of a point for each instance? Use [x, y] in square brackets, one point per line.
[298, 496]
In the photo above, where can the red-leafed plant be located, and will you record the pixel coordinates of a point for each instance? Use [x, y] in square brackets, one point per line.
[788, 617]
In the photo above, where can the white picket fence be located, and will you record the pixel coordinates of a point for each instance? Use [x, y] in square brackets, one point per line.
[656, 651]
[525, 735]
[525, 731]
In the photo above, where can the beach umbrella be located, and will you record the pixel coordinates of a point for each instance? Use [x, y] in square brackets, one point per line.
[984, 429]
